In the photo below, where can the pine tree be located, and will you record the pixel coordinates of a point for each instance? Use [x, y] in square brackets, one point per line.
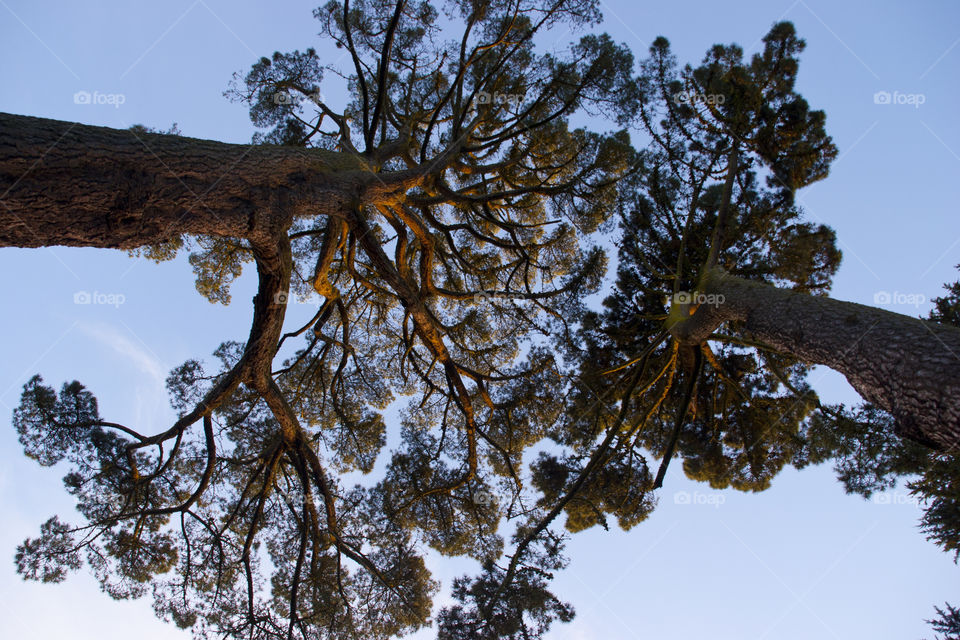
[444, 220]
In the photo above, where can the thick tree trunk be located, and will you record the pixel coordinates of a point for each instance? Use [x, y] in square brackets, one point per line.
[906, 366]
[65, 183]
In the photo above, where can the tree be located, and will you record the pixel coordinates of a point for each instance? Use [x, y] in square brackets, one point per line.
[443, 217]
[701, 206]
[440, 216]
[703, 244]
[717, 245]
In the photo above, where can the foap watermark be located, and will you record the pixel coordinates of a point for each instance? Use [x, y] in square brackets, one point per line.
[896, 298]
[481, 297]
[86, 97]
[510, 99]
[896, 97]
[111, 299]
[696, 498]
[283, 97]
[284, 298]
[895, 498]
[692, 98]
[698, 298]
[485, 498]
[286, 97]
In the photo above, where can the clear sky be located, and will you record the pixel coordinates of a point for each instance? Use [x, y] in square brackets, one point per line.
[801, 560]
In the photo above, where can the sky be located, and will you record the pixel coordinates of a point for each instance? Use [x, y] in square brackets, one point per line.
[800, 560]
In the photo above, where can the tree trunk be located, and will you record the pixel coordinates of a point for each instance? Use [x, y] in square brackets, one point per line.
[70, 184]
[906, 366]
[65, 183]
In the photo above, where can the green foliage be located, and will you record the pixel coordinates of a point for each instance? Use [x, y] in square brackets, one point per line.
[447, 295]
[48, 424]
[939, 488]
[718, 131]
[161, 252]
[465, 297]
[946, 309]
[49, 557]
[217, 263]
[867, 457]
[491, 607]
[102, 477]
[947, 622]
[620, 487]
[283, 82]
[461, 522]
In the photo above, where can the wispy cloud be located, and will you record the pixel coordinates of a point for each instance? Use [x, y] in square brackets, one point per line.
[149, 407]
[128, 348]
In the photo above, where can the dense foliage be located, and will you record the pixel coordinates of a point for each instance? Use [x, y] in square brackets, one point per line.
[459, 300]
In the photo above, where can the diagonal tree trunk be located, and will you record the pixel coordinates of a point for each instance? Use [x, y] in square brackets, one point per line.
[70, 184]
[906, 366]
[65, 183]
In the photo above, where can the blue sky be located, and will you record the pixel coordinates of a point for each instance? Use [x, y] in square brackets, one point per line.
[798, 561]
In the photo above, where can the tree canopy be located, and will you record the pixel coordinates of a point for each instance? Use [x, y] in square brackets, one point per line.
[453, 223]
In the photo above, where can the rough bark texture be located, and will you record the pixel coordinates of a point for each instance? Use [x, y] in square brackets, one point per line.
[906, 366]
[65, 183]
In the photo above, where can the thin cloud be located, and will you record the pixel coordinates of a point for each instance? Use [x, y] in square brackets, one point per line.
[129, 349]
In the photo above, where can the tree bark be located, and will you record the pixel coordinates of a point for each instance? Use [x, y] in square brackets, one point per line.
[64, 183]
[70, 184]
[906, 366]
